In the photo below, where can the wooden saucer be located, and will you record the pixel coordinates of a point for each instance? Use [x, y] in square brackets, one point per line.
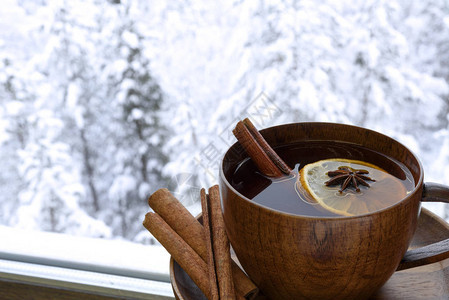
[425, 282]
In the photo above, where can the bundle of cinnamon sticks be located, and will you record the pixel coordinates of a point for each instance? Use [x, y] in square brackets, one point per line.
[202, 250]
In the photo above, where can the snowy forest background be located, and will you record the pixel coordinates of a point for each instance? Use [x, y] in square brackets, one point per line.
[103, 102]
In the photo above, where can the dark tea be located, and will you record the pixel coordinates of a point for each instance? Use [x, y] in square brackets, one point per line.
[381, 181]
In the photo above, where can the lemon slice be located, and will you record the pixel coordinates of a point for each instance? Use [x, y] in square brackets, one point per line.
[385, 191]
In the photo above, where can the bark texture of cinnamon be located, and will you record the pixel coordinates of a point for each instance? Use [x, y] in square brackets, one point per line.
[221, 246]
[180, 219]
[264, 157]
[193, 233]
[187, 258]
[205, 205]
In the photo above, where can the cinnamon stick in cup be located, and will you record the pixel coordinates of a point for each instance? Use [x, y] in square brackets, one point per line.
[192, 232]
[285, 169]
[186, 257]
[263, 156]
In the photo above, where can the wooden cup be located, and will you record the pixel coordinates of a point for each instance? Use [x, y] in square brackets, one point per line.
[297, 257]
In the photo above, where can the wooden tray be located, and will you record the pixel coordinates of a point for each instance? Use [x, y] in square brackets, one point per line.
[426, 282]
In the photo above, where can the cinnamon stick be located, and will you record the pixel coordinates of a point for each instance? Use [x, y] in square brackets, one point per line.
[266, 147]
[192, 232]
[244, 287]
[255, 151]
[179, 219]
[264, 157]
[186, 257]
[221, 247]
[210, 253]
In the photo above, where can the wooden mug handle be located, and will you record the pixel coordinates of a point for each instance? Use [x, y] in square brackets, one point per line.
[432, 192]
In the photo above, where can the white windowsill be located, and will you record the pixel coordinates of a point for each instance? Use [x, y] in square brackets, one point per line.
[109, 267]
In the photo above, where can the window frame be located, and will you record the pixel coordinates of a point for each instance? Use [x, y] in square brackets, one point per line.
[28, 270]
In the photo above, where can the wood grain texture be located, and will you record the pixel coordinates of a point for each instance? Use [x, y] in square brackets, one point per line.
[19, 291]
[432, 192]
[425, 282]
[294, 257]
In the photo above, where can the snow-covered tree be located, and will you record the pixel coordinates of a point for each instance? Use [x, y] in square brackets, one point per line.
[102, 102]
[137, 134]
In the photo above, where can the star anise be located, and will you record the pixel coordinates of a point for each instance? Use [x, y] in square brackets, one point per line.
[346, 176]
